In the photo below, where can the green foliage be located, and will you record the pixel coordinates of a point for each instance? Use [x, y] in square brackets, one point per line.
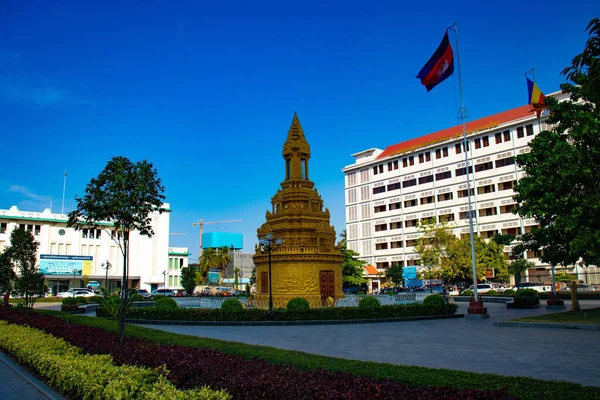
[352, 267]
[157, 297]
[111, 306]
[509, 292]
[369, 302]
[7, 273]
[491, 293]
[564, 277]
[165, 304]
[223, 257]
[298, 304]
[467, 293]
[434, 300]
[432, 247]
[73, 301]
[188, 280]
[559, 188]
[22, 254]
[527, 293]
[232, 305]
[91, 376]
[394, 273]
[136, 297]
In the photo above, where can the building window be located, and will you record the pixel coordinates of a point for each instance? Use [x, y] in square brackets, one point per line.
[380, 189]
[438, 154]
[529, 129]
[446, 218]
[486, 141]
[411, 160]
[484, 167]
[352, 196]
[507, 209]
[393, 186]
[520, 132]
[396, 164]
[410, 203]
[405, 162]
[394, 206]
[380, 227]
[411, 243]
[463, 171]
[409, 183]
[3, 227]
[488, 212]
[506, 135]
[488, 234]
[443, 175]
[507, 185]
[411, 223]
[425, 179]
[457, 148]
[445, 151]
[396, 225]
[463, 193]
[389, 166]
[511, 231]
[381, 246]
[426, 200]
[381, 168]
[477, 143]
[375, 170]
[486, 189]
[428, 156]
[498, 138]
[445, 196]
[382, 265]
[504, 162]
[379, 209]
[84, 233]
[421, 158]
[396, 245]
[351, 178]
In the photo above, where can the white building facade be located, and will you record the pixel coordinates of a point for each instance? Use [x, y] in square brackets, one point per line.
[388, 192]
[69, 258]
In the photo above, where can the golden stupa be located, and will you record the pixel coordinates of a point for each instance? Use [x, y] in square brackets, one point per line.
[307, 263]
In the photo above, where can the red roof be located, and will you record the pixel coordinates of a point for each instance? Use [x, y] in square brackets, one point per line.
[456, 131]
[371, 270]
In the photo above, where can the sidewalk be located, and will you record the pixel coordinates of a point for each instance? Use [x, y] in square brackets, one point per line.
[16, 383]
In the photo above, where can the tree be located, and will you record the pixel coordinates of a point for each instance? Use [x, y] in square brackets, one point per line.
[22, 253]
[352, 267]
[560, 189]
[394, 274]
[208, 260]
[223, 256]
[7, 275]
[124, 194]
[431, 246]
[236, 281]
[188, 279]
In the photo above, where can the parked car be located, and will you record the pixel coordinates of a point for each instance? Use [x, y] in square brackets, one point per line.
[581, 287]
[481, 288]
[163, 292]
[540, 287]
[76, 292]
[452, 290]
[144, 293]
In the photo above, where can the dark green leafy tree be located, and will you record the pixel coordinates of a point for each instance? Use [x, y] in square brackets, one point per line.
[7, 275]
[562, 182]
[22, 254]
[223, 256]
[394, 274]
[124, 194]
[432, 246]
[352, 267]
[208, 260]
[188, 279]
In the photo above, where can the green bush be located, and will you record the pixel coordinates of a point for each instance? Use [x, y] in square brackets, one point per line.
[136, 297]
[434, 300]
[527, 293]
[491, 293]
[165, 304]
[71, 301]
[369, 302]
[298, 304]
[232, 305]
[467, 293]
[157, 297]
[509, 292]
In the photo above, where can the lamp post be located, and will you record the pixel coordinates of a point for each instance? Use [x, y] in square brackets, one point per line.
[514, 257]
[106, 266]
[266, 243]
[165, 275]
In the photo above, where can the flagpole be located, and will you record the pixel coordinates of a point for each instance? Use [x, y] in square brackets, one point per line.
[62, 208]
[462, 115]
[532, 70]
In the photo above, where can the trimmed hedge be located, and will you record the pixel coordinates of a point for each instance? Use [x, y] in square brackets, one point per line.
[91, 376]
[165, 304]
[232, 305]
[280, 314]
[298, 304]
[434, 300]
[369, 302]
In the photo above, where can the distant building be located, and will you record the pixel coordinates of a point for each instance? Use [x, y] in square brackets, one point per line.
[389, 192]
[68, 257]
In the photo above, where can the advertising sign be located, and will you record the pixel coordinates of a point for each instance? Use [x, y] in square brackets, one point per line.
[58, 264]
[213, 276]
[413, 283]
[409, 273]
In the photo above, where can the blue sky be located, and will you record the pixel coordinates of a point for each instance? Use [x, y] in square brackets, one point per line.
[207, 90]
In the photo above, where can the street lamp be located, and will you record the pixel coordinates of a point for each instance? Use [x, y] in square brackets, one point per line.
[106, 266]
[266, 243]
[514, 257]
[165, 275]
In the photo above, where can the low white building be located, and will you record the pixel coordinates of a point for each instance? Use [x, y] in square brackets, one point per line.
[69, 258]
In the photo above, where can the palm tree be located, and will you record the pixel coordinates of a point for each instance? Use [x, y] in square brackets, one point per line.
[223, 256]
[207, 260]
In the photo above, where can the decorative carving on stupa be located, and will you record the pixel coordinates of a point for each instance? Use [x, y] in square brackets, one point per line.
[308, 263]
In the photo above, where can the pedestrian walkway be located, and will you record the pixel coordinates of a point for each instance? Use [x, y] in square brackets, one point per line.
[457, 344]
[16, 383]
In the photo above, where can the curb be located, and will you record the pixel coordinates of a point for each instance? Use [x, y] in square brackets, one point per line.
[552, 325]
[42, 387]
[290, 323]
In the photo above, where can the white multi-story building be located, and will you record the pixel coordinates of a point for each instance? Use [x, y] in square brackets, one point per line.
[388, 192]
[68, 257]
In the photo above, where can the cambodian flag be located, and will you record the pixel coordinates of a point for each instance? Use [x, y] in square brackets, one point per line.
[439, 67]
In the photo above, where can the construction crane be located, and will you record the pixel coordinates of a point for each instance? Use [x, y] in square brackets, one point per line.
[201, 224]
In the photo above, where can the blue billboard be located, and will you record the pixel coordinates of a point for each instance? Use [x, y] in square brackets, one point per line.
[409, 273]
[222, 239]
[56, 264]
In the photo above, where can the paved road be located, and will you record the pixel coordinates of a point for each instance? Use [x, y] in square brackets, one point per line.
[16, 383]
[459, 344]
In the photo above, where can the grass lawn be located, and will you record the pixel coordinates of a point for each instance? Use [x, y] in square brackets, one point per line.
[589, 316]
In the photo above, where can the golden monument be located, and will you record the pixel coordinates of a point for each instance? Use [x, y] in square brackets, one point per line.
[298, 248]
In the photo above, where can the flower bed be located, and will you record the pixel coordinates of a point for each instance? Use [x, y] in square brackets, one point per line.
[191, 367]
[91, 376]
[313, 314]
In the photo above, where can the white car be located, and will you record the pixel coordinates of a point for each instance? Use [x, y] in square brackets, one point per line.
[481, 288]
[76, 292]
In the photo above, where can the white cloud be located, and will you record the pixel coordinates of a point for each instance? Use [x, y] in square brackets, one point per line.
[30, 195]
